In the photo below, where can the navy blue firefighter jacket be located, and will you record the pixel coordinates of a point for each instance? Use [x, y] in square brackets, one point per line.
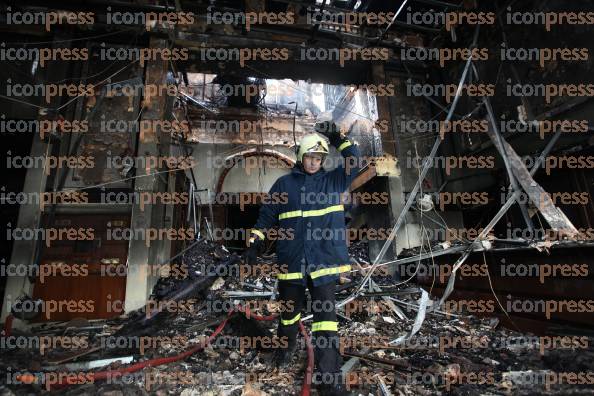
[312, 215]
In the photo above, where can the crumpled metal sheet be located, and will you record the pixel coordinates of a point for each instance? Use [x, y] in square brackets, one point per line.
[419, 319]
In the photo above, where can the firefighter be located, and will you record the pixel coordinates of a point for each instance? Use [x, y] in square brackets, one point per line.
[317, 254]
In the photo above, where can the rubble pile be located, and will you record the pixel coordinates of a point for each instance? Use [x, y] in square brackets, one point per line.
[450, 355]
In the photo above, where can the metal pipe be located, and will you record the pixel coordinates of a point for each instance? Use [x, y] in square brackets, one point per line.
[381, 37]
[499, 138]
[189, 209]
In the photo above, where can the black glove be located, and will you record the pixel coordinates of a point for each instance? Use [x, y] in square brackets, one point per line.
[330, 130]
[250, 255]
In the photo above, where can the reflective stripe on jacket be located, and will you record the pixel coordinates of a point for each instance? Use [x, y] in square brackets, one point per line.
[313, 211]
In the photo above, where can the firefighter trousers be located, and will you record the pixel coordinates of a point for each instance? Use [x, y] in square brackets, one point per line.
[324, 328]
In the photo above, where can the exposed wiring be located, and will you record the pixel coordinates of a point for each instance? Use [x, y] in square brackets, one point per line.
[418, 265]
[76, 39]
[120, 180]
[432, 262]
[463, 240]
[495, 295]
[56, 109]
[101, 82]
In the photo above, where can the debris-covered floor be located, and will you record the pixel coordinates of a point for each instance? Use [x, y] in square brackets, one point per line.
[451, 354]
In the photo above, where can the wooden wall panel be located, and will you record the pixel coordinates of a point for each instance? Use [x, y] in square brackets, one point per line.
[78, 281]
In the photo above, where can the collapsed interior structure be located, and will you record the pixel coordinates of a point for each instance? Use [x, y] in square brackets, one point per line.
[470, 221]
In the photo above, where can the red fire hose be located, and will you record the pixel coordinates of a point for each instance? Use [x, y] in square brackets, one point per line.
[8, 325]
[160, 361]
[101, 375]
[310, 362]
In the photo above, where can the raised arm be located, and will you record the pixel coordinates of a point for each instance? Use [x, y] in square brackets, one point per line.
[343, 174]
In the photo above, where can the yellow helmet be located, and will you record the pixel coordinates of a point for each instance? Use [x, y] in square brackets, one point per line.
[312, 143]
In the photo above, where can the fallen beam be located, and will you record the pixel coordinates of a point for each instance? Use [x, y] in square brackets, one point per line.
[541, 199]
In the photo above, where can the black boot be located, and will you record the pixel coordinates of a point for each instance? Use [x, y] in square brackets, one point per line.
[282, 356]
